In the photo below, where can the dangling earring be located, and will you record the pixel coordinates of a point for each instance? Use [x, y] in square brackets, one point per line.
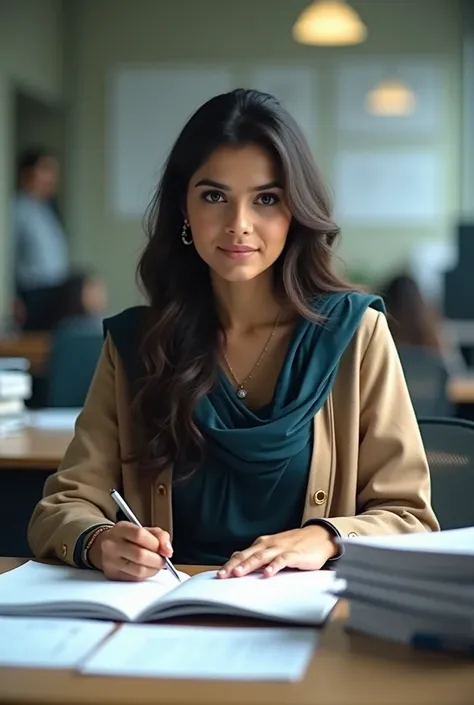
[186, 237]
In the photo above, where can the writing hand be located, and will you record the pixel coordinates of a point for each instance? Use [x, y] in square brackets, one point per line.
[129, 552]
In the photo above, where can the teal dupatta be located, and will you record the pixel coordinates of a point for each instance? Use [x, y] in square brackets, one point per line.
[254, 476]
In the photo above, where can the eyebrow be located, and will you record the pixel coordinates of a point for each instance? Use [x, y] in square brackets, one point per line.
[223, 187]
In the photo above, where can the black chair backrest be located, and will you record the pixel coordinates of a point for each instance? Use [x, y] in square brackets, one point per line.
[426, 378]
[449, 445]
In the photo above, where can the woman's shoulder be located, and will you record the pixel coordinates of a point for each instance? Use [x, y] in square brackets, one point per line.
[127, 321]
[125, 331]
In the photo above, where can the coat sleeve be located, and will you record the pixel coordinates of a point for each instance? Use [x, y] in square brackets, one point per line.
[77, 497]
[393, 484]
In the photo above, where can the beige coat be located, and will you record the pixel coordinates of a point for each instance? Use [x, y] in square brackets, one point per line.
[368, 475]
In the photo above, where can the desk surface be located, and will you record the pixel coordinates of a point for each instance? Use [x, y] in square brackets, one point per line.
[347, 669]
[33, 449]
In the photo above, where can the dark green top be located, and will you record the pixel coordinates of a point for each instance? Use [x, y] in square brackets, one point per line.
[226, 505]
[254, 477]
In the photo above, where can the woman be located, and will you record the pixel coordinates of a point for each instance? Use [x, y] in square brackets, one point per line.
[256, 411]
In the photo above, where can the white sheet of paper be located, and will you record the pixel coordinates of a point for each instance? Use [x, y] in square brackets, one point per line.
[296, 596]
[450, 541]
[54, 419]
[220, 653]
[48, 643]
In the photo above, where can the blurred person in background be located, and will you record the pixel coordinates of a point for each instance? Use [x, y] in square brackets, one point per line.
[80, 303]
[41, 259]
[411, 319]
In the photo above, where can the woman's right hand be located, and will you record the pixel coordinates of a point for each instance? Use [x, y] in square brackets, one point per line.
[129, 552]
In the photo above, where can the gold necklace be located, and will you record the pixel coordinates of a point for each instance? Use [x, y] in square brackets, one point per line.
[242, 390]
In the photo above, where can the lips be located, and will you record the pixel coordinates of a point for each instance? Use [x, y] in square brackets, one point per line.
[238, 249]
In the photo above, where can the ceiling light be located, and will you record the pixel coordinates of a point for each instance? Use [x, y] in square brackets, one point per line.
[329, 23]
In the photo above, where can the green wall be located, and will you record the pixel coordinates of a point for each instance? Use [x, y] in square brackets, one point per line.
[31, 58]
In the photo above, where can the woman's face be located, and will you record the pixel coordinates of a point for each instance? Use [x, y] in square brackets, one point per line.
[238, 216]
[42, 179]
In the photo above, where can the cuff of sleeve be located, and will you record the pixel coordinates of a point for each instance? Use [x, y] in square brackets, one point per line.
[334, 531]
[79, 558]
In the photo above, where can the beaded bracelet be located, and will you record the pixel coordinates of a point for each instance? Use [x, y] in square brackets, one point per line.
[90, 541]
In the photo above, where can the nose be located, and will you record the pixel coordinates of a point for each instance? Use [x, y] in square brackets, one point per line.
[240, 222]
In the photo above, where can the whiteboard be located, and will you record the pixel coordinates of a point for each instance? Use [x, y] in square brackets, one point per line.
[295, 87]
[148, 106]
[356, 78]
[388, 188]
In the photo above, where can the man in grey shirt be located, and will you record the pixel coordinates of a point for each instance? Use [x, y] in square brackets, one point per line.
[41, 253]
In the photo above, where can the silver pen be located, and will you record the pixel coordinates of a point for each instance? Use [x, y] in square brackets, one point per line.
[123, 506]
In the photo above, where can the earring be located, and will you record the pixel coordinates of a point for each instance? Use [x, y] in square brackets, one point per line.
[186, 237]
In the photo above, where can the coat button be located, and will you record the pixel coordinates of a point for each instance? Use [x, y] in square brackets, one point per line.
[320, 497]
[63, 551]
[162, 490]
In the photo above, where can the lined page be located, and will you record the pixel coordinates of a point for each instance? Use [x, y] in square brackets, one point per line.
[205, 652]
[49, 643]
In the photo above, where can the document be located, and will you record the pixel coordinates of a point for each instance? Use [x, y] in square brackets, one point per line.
[158, 651]
[49, 643]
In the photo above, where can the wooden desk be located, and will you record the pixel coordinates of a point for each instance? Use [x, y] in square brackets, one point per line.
[35, 347]
[347, 669]
[27, 457]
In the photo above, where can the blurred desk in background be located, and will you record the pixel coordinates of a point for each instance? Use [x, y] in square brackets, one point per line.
[27, 458]
[35, 347]
[461, 389]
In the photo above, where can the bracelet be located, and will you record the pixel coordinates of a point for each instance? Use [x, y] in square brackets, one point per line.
[90, 541]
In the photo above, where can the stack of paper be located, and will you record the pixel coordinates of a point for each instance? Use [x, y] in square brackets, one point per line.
[412, 588]
[15, 388]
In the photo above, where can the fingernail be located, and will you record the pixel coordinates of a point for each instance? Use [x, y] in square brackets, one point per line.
[222, 572]
[168, 546]
[268, 569]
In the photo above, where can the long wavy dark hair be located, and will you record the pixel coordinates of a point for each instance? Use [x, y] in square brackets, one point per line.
[180, 346]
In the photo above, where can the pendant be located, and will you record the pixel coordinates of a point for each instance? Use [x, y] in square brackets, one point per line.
[241, 392]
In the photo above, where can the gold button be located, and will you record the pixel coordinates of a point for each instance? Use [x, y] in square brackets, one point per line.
[352, 535]
[320, 497]
[162, 490]
[63, 551]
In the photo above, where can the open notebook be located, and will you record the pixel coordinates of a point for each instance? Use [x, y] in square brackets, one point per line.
[40, 590]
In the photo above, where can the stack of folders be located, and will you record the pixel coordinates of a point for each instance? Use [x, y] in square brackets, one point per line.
[412, 588]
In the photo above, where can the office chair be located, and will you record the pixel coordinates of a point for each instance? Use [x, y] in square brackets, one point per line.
[73, 360]
[449, 445]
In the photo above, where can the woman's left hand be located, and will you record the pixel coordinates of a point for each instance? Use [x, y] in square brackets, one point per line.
[308, 548]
